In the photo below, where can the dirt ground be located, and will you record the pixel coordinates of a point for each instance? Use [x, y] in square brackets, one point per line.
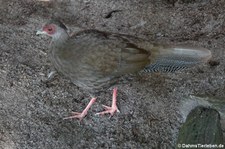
[32, 111]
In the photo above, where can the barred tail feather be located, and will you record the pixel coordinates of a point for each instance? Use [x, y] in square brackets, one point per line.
[174, 58]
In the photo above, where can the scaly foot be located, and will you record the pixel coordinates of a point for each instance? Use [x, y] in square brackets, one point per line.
[111, 109]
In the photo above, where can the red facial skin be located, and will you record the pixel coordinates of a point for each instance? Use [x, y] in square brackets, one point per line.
[49, 29]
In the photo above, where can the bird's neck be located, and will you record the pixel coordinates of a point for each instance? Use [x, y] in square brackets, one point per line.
[60, 38]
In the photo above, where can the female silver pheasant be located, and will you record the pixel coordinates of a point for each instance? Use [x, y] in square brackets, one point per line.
[95, 60]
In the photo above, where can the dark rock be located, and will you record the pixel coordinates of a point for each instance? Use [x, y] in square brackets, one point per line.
[201, 127]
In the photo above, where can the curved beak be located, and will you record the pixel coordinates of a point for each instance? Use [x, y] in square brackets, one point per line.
[40, 32]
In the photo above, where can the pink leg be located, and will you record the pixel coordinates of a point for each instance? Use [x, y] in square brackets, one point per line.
[111, 109]
[81, 115]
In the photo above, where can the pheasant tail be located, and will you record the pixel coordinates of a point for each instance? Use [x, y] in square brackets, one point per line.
[173, 58]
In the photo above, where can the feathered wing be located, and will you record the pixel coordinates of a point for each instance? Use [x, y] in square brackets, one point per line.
[106, 54]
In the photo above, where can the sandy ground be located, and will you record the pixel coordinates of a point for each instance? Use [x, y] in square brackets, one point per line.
[32, 111]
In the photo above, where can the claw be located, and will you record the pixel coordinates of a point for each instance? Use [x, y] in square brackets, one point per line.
[81, 115]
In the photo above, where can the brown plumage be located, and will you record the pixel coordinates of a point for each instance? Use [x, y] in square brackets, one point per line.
[94, 60]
